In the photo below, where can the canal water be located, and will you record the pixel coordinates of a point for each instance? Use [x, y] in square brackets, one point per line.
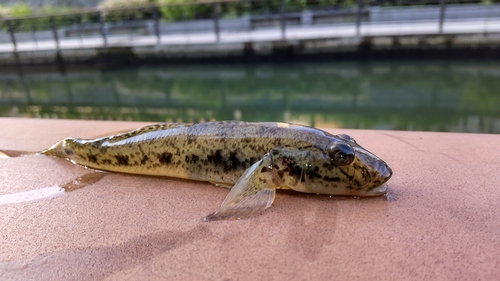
[425, 95]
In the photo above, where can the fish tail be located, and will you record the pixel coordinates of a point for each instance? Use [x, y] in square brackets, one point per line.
[60, 149]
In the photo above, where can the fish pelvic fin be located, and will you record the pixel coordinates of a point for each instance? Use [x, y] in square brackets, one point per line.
[253, 193]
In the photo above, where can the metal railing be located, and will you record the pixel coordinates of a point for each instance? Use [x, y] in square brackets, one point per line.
[241, 21]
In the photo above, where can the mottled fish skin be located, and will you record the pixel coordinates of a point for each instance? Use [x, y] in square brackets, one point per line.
[220, 152]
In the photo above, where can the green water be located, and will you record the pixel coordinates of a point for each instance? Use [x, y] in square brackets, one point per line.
[428, 96]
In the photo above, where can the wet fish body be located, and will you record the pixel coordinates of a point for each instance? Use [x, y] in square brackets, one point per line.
[254, 158]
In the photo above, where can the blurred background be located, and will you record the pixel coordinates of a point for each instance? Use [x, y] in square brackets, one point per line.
[401, 65]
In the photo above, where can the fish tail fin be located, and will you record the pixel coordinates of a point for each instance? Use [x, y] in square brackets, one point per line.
[60, 149]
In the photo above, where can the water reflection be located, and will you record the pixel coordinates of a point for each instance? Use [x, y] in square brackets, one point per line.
[431, 96]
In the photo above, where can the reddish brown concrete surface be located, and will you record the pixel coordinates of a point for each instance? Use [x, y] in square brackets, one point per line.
[439, 221]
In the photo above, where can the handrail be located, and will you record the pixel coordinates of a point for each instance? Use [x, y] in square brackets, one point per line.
[281, 14]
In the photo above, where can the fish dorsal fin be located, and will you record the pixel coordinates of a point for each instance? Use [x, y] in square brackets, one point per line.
[145, 129]
[253, 193]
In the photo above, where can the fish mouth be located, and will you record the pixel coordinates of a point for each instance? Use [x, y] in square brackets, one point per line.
[377, 191]
[386, 172]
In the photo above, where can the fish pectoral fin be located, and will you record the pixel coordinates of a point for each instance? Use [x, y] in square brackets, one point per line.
[253, 193]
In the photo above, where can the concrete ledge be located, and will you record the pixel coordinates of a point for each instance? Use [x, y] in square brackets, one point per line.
[438, 222]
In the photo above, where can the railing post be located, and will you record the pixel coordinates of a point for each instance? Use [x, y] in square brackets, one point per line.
[283, 20]
[103, 31]
[12, 34]
[33, 35]
[156, 25]
[215, 11]
[54, 31]
[78, 22]
[442, 4]
[358, 17]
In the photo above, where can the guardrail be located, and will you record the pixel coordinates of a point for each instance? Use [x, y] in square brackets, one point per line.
[224, 21]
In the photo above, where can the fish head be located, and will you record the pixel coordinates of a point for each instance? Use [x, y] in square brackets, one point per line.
[341, 167]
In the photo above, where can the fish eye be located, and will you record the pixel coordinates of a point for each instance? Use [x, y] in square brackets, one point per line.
[341, 154]
[346, 137]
